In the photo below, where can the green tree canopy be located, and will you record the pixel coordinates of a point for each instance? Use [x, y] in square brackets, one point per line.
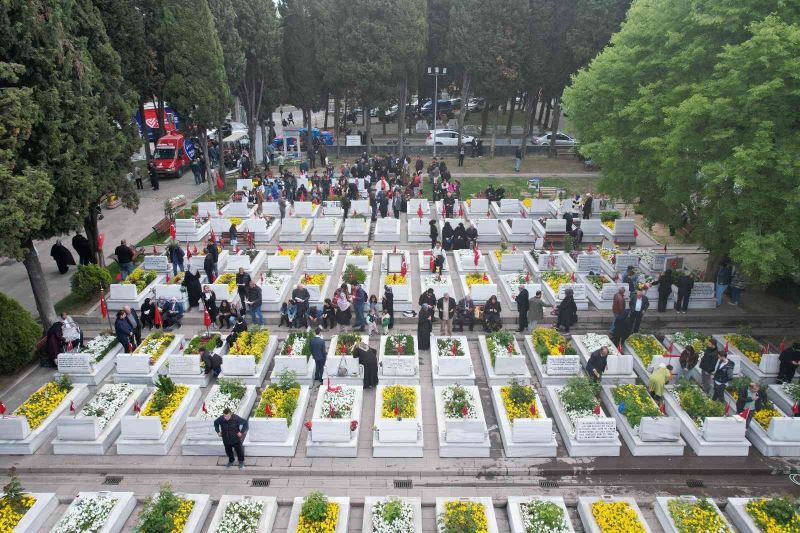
[693, 112]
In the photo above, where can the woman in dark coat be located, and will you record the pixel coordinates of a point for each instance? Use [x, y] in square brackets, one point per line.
[123, 331]
[428, 297]
[81, 245]
[224, 313]
[664, 289]
[434, 233]
[424, 327]
[460, 237]
[191, 280]
[62, 256]
[387, 304]
[147, 313]
[447, 236]
[567, 311]
[492, 310]
[369, 359]
[55, 339]
[210, 301]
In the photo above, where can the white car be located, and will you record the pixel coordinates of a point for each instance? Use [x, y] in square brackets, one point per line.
[561, 140]
[447, 138]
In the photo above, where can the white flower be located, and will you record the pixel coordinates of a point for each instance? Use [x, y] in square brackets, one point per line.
[513, 281]
[458, 391]
[276, 282]
[534, 521]
[298, 344]
[593, 342]
[445, 347]
[645, 255]
[107, 402]
[338, 404]
[404, 523]
[431, 282]
[241, 516]
[218, 402]
[89, 514]
[574, 414]
[99, 346]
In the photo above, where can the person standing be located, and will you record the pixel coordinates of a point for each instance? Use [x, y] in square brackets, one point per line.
[232, 428]
[122, 330]
[151, 169]
[359, 299]
[387, 304]
[446, 305]
[523, 304]
[789, 361]
[136, 325]
[707, 364]
[517, 159]
[424, 327]
[176, 254]
[596, 365]
[724, 275]
[213, 251]
[84, 250]
[369, 360]
[638, 305]
[208, 267]
[210, 303]
[62, 256]
[658, 381]
[319, 354]
[242, 282]
[461, 151]
[124, 254]
[567, 311]
[300, 296]
[685, 285]
[587, 206]
[254, 303]
[536, 310]
[723, 374]
[434, 233]
[738, 284]
[664, 283]
[632, 279]
[617, 308]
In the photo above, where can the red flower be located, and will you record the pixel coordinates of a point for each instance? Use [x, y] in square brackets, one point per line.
[353, 425]
[289, 350]
[510, 348]
[396, 411]
[464, 411]
[268, 412]
[308, 425]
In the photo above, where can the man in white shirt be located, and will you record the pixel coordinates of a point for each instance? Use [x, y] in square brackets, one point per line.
[638, 305]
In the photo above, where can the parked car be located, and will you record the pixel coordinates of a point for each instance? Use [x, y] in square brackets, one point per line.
[476, 103]
[443, 106]
[447, 138]
[325, 136]
[561, 140]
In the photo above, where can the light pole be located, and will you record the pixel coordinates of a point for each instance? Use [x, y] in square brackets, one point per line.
[436, 72]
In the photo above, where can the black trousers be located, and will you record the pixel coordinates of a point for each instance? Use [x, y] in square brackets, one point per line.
[465, 319]
[636, 321]
[682, 302]
[523, 320]
[242, 298]
[662, 302]
[319, 369]
[230, 447]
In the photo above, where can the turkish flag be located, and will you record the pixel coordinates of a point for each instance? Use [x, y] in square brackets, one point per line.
[444, 211]
[103, 306]
[782, 346]
[573, 277]
[597, 410]
[69, 346]
[206, 318]
[205, 410]
[167, 278]
[280, 248]
[552, 250]
[188, 252]
[431, 264]
[419, 211]
[72, 407]
[744, 414]
[119, 277]
[663, 408]
[2, 408]
[137, 408]
[403, 268]
[527, 277]
[220, 183]
[172, 231]
[157, 320]
[727, 408]
[101, 238]
[670, 347]
[194, 249]
[267, 410]
[130, 347]
[461, 211]
[795, 408]
[635, 232]
[213, 236]
[476, 256]
[534, 413]
[590, 249]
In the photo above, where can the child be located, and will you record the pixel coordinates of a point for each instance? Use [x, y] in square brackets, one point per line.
[385, 323]
[291, 312]
[284, 315]
[372, 323]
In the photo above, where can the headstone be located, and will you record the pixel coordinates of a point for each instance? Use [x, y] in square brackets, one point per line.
[512, 262]
[784, 429]
[355, 140]
[624, 227]
[660, 429]
[509, 205]
[303, 209]
[159, 263]
[592, 226]
[417, 226]
[182, 366]
[291, 225]
[486, 226]
[589, 262]
[578, 290]
[414, 205]
[465, 430]
[244, 184]
[588, 429]
[237, 209]
[673, 262]
[610, 289]
[531, 430]
[207, 209]
[361, 207]
[478, 206]
[555, 225]
[399, 366]
[256, 225]
[394, 261]
[355, 225]
[522, 226]
[547, 261]
[539, 206]
[235, 262]
[623, 261]
[397, 430]
[563, 365]
[325, 226]
[724, 429]
[74, 363]
[387, 226]
[703, 290]
[185, 225]
[331, 204]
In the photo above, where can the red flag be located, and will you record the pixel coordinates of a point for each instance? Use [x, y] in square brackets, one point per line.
[220, 183]
[289, 350]
[619, 347]
[635, 232]
[268, 410]
[72, 407]
[485, 277]
[444, 211]
[552, 250]
[119, 277]
[419, 211]
[573, 277]
[403, 267]
[194, 249]
[562, 348]
[533, 411]
[597, 410]
[130, 347]
[795, 408]
[514, 248]
[103, 306]
[464, 411]
[205, 410]
[250, 239]
[155, 252]
[397, 411]
[663, 408]
[69, 346]
[454, 349]
[101, 238]
[460, 211]
[727, 408]
[172, 232]
[318, 248]
[180, 347]
[527, 277]
[206, 318]
[213, 236]
[590, 249]
[669, 349]
[188, 252]
[168, 277]
[744, 414]
[157, 320]
[280, 248]
[476, 256]
[510, 348]
[3, 408]
[236, 250]
[782, 346]
[432, 263]
[136, 407]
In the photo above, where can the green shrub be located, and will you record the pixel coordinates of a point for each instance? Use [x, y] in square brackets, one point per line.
[19, 338]
[609, 215]
[88, 281]
[354, 274]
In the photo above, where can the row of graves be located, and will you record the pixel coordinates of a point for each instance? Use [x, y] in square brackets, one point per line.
[537, 387]
[111, 510]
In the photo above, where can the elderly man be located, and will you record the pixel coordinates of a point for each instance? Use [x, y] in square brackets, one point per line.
[300, 295]
[172, 314]
[523, 304]
[638, 305]
[446, 305]
[597, 362]
[254, 303]
[136, 325]
[618, 308]
[125, 255]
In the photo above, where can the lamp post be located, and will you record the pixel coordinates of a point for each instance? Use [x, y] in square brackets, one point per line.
[436, 72]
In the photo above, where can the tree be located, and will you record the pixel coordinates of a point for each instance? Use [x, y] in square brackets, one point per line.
[702, 129]
[72, 86]
[196, 85]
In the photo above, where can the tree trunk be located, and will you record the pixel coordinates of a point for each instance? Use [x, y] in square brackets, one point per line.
[327, 106]
[494, 131]
[204, 146]
[264, 140]
[530, 105]
[41, 293]
[367, 109]
[462, 116]
[531, 119]
[547, 114]
[484, 118]
[401, 118]
[220, 159]
[307, 124]
[92, 232]
[336, 124]
[541, 110]
[162, 127]
[511, 114]
[148, 155]
[556, 117]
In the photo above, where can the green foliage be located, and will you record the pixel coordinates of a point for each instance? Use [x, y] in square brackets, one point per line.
[315, 507]
[164, 389]
[606, 216]
[88, 280]
[20, 335]
[353, 274]
[702, 126]
[13, 494]
[696, 404]
[569, 243]
[159, 511]
[198, 343]
[781, 509]
[391, 509]
[232, 387]
[64, 382]
[546, 515]
[459, 402]
[580, 393]
[520, 394]
[287, 379]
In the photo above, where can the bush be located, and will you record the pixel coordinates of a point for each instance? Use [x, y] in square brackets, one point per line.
[88, 281]
[19, 338]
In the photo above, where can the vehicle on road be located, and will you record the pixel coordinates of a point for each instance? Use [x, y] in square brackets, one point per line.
[447, 138]
[173, 155]
[171, 120]
[561, 140]
[325, 137]
[476, 103]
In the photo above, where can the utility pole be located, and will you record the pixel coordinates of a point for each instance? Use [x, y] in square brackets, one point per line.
[436, 72]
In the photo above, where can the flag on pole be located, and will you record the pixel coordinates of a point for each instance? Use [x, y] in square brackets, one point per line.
[597, 410]
[155, 251]
[205, 410]
[419, 211]
[213, 236]
[663, 408]
[590, 249]
[130, 347]
[727, 408]
[744, 414]
[460, 211]
[137, 408]
[432, 264]
[533, 411]
[795, 408]
[782, 346]
[72, 407]
[188, 251]
[280, 248]
[157, 319]
[403, 267]
[168, 277]
[103, 306]
[635, 232]
[3, 408]
[206, 318]
[69, 346]
[172, 232]
[119, 276]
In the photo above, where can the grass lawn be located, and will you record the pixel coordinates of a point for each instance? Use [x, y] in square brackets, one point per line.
[71, 304]
[518, 187]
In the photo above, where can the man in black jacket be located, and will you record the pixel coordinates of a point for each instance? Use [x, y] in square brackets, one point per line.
[597, 363]
[638, 305]
[232, 429]
[242, 283]
[523, 304]
[723, 374]
[685, 285]
[447, 310]
[707, 364]
[789, 361]
[319, 354]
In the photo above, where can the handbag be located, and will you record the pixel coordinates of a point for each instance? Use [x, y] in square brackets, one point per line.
[341, 371]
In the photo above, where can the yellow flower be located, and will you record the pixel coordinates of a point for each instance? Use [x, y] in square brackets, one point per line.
[395, 279]
[759, 510]
[166, 412]
[314, 279]
[251, 343]
[361, 250]
[303, 224]
[477, 279]
[181, 515]
[556, 279]
[402, 397]
[9, 518]
[549, 342]
[229, 279]
[282, 403]
[609, 224]
[457, 513]
[696, 517]
[764, 416]
[527, 202]
[616, 517]
[646, 347]
[519, 410]
[327, 525]
[141, 278]
[747, 345]
[41, 403]
[235, 221]
[290, 252]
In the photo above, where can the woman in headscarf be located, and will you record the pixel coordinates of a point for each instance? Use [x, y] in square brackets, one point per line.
[210, 301]
[123, 331]
[447, 236]
[55, 340]
[84, 250]
[424, 327]
[191, 280]
[225, 313]
[369, 359]
[567, 311]
[147, 313]
[492, 310]
[343, 312]
[62, 256]
[434, 232]
[387, 304]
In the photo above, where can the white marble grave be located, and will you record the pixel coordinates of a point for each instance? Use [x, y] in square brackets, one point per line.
[520, 230]
[480, 292]
[557, 369]
[622, 233]
[387, 230]
[619, 367]
[507, 366]
[477, 208]
[416, 505]
[251, 265]
[200, 437]
[333, 437]
[318, 262]
[191, 230]
[462, 437]
[397, 369]
[262, 233]
[604, 297]
[122, 510]
[81, 367]
[136, 368]
[268, 513]
[448, 369]
[661, 508]
[515, 520]
[465, 261]
[488, 506]
[590, 524]
[393, 437]
[589, 436]
[122, 294]
[418, 229]
[341, 522]
[293, 229]
[766, 371]
[276, 437]
[356, 230]
[326, 229]
[34, 518]
[245, 367]
[592, 231]
[488, 229]
[355, 370]
[524, 437]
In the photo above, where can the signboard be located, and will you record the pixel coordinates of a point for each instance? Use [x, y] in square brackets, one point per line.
[673, 262]
[562, 365]
[159, 263]
[595, 429]
[534, 184]
[74, 363]
[353, 140]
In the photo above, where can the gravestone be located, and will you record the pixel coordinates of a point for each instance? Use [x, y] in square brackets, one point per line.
[184, 366]
[578, 290]
[256, 225]
[387, 225]
[623, 261]
[159, 263]
[589, 262]
[325, 226]
[522, 226]
[291, 225]
[74, 363]
[394, 262]
[555, 225]
[235, 262]
[361, 207]
[487, 226]
[478, 206]
[237, 209]
[414, 205]
[592, 227]
[624, 227]
[207, 209]
[303, 209]
[563, 365]
[539, 207]
[512, 262]
[509, 206]
[588, 429]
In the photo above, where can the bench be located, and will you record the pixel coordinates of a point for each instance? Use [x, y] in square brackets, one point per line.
[549, 192]
[566, 151]
[162, 226]
[242, 237]
[556, 239]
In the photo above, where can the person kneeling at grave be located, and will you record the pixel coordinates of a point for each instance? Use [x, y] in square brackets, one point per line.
[212, 362]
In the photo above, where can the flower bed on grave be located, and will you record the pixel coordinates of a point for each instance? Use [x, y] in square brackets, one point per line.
[353, 274]
[646, 347]
[177, 279]
[99, 347]
[695, 403]
[337, 403]
[241, 516]
[251, 343]
[318, 514]
[14, 504]
[520, 401]
[88, 513]
[273, 280]
[279, 400]
[476, 279]
[501, 344]
[608, 254]
[44, 401]
[392, 515]
[616, 517]
[399, 401]
[227, 395]
[774, 515]
[459, 403]
[107, 403]
[696, 516]
[768, 410]
[291, 253]
[450, 347]
[165, 511]
[346, 342]
[555, 280]
[745, 344]
[579, 398]
[165, 400]
[434, 281]
[154, 345]
[397, 344]
[297, 344]
[314, 279]
[229, 280]
[395, 279]
[463, 515]
[201, 342]
[696, 340]
[141, 278]
[549, 342]
[635, 403]
[792, 390]
[542, 516]
[361, 251]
